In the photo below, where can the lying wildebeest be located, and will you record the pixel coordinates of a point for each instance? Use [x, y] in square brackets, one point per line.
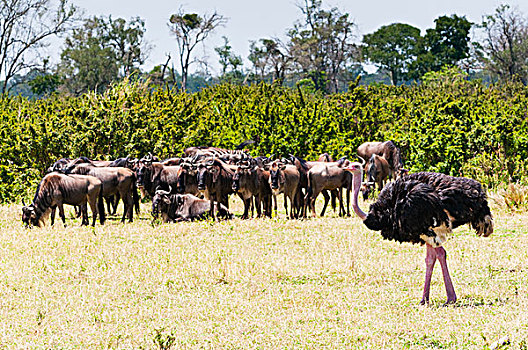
[284, 178]
[386, 149]
[377, 170]
[184, 207]
[116, 181]
[56, 189]
[252, 181]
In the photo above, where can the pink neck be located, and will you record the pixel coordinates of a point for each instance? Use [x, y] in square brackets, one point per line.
[356, 184]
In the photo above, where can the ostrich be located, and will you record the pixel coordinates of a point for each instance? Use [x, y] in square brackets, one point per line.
[424, 208]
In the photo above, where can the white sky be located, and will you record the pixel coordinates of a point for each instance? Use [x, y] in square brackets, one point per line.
[255, 19]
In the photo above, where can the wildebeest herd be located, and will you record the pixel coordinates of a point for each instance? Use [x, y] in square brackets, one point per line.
[417, 208]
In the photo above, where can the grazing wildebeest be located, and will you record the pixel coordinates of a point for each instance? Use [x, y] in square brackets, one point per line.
[214, 180]
[59, 165]
[377, 170]
[250, 182]
[184, 207]
[285, 178]
[386, 149]
[116, 181]
[327, 176]
[57, 189]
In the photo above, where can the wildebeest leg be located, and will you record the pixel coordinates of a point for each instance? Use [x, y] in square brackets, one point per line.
[115, 203]
[341, 204]
[109, 201]
[77, 211]
[286, 203]
[93, 206]
[327, 199]
[212, 206]
[275, 204]
[53, 210]
[257, 205]
[247, 204]
[348, 200]
[130, 205]
[84, 209]
[61, 213]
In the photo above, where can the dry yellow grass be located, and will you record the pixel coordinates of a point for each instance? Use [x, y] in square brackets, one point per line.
[322, 283]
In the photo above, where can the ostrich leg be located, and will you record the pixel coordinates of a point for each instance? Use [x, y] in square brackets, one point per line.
[450, 290]
[430, 259]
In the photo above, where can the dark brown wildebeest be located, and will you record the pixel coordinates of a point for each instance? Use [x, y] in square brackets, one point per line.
[127, 162]
[250, 182]
[377, 170]
[386, 149]
[116, 181]
[154, 175]
[285, 178]
[327, 176]
[214, 180]
[188, 179]
[172, 161]
[184, 207]
[57, 189]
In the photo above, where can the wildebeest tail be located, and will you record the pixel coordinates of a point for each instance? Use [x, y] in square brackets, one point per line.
[101, 208]
[244, 144]
[135, 197]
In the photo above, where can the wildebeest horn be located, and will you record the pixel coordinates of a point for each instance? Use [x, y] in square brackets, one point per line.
[24, 203]
[162, 191]
[362, 161]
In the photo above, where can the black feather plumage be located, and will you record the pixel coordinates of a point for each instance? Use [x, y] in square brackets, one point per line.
[411, 206]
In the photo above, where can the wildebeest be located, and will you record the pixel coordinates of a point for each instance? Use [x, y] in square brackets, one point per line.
[285, 178]
[215, 180]
[327, 176]
[57, 189]
[252, 182]
[386, 149]
[154, 175]
[377, 170]
[184, 207]
[116, 181]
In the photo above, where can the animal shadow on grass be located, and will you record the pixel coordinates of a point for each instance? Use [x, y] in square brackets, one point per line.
[468, 301]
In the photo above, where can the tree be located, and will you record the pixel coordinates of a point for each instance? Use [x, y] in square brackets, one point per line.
[269, 60]
[321, 47]
[393, 48]
[229, 60]
[100, 52]
[25, 25]
[190, 29]
[446, 44]
[504, 50]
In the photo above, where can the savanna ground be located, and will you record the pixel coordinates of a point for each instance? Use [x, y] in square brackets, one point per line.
[267, 283]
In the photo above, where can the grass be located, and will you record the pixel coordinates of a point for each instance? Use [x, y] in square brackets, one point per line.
[271, 283]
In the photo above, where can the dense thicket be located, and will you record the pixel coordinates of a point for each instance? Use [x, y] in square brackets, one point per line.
[449, 125]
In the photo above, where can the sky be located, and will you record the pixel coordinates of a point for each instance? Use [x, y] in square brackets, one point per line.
[255, 19]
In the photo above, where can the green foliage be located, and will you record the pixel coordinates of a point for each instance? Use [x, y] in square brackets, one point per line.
[393, 48]
[448, 124]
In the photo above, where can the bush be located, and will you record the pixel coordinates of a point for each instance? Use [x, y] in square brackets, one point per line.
[449, 125]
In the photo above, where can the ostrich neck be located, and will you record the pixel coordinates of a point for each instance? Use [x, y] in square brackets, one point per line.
[356, 183]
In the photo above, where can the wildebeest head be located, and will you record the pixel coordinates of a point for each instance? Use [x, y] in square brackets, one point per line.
[29, 217]
[160, 202]
[277, 177]
[240, 172]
